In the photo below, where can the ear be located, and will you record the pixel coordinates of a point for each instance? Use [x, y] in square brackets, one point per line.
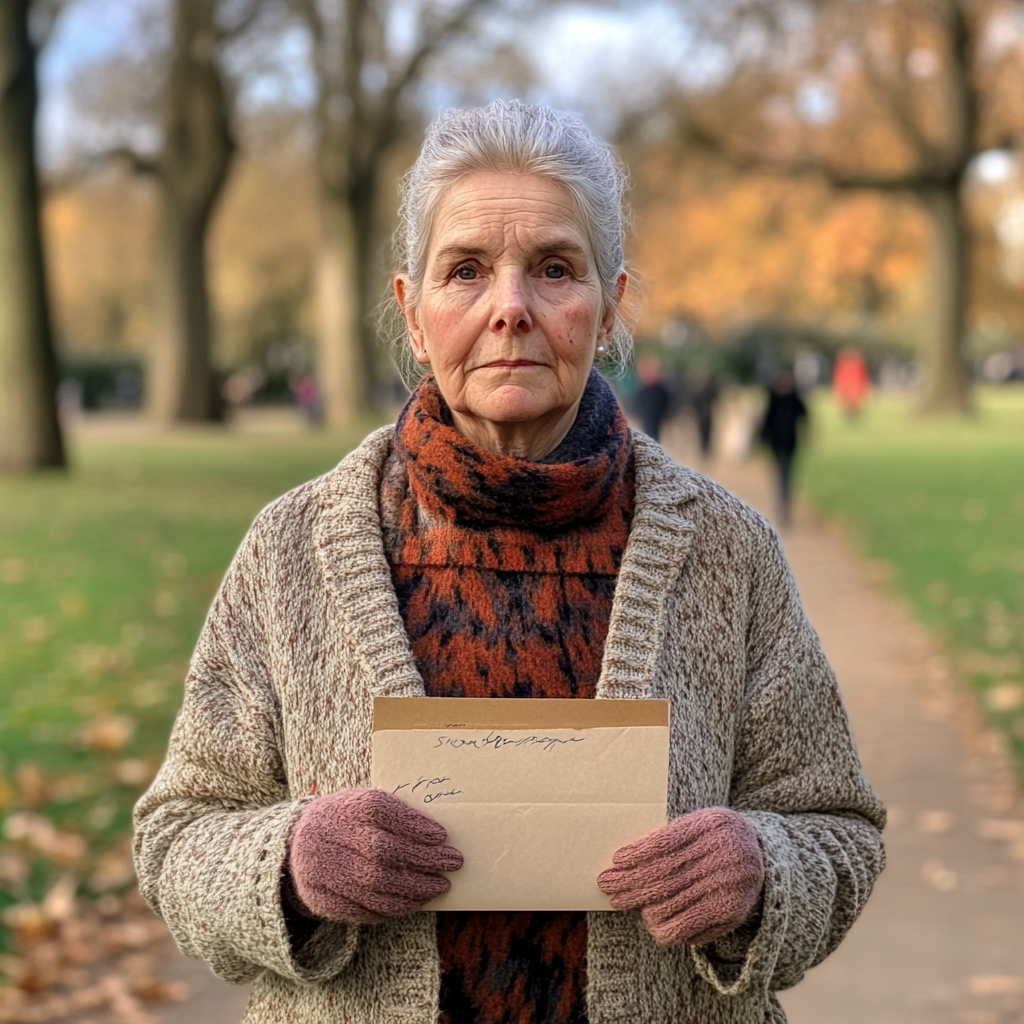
[611, 308]
[410, 314]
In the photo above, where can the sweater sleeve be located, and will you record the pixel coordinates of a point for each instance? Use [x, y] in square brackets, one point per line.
[798, 780]
[212, 830]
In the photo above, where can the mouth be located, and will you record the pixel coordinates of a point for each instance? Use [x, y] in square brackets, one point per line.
[509, 364]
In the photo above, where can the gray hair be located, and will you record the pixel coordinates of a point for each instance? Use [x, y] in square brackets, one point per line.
[524, 139]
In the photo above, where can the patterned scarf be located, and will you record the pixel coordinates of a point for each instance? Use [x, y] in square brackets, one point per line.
[505, 571]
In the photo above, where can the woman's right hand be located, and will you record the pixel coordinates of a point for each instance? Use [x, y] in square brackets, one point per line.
[361, 855]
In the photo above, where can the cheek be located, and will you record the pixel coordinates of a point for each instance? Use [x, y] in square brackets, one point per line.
[574, 324]
[450, 330]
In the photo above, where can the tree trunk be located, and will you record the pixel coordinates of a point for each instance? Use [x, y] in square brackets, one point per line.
[344, 356]
[30, 434]
[181, 379]
[193, 168]
[946, 387]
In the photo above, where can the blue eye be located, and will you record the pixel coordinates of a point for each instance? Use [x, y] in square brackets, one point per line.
[554, 271]
[466, 273]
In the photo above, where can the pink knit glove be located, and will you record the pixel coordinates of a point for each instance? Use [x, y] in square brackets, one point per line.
[695, 880]
[361, 855]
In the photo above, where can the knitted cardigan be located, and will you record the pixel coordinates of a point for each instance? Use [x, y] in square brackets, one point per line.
[278, 706]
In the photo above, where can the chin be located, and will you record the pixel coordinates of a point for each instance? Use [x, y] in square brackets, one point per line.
[511, 403]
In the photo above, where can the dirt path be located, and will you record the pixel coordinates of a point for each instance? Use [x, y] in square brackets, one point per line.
[942, 940]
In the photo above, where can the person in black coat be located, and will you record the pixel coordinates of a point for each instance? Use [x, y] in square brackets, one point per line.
[781, 431]
[653, 399]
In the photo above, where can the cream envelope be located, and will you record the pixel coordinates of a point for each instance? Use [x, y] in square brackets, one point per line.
[537, 794]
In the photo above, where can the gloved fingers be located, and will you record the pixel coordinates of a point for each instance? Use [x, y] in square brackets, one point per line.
[387, 811]
[714, 901]
[707, 830]
[395, 851]
[655, 880]
[662, 842]
[620, 888]
[370, 874]
[390, 904]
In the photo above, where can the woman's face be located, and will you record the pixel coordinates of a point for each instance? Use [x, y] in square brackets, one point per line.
[511, 309]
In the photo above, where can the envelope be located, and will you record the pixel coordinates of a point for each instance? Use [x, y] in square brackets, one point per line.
[537, 794]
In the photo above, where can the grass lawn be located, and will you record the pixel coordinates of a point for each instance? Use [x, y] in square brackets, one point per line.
[942, 501]
[106, 574]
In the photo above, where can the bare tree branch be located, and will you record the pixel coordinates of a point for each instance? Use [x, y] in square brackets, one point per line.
[897, 98]
[250, 12]
[431, 38]
[43, 19]
[916, 180]
[138, 163]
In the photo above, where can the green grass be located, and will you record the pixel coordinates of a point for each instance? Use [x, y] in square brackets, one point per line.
[106, 574]
[942, 501]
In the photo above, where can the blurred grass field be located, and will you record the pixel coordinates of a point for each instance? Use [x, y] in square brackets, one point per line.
[106, 575]
[942, 502]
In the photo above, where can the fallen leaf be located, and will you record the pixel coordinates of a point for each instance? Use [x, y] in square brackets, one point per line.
[1005, 830]
[31, 785]
[36, 629]
[59, 903]
[982, 985]
[134, 771]
[107, 732]
[938, 876]
[1005, 698]
[13, 570]
[936, 822]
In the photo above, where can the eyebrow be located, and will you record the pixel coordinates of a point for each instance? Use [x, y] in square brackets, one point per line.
[561, 247]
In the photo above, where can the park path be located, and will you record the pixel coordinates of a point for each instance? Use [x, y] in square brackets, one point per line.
[942, 939]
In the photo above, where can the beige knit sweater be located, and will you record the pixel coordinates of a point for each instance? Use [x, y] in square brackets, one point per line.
[306, 630]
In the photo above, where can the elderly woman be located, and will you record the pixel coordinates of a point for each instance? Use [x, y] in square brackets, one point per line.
[509, 537]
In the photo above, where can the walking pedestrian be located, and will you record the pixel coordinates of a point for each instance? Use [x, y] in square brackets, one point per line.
[653, 399]
[851, 382]
[780, 430]
[703, 395]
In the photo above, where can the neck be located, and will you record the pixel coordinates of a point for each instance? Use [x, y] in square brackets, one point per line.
[529, 441]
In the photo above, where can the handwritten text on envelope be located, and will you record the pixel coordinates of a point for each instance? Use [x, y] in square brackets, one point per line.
[537, 794]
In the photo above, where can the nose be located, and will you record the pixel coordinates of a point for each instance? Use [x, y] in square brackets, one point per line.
[511, 312]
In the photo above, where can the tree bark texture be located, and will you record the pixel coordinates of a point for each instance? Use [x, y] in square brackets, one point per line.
[30, 435]
[342, 346]
[946, 385]
[191, 173]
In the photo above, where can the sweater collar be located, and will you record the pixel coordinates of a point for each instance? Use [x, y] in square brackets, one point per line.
[350, 549]
[460, 482]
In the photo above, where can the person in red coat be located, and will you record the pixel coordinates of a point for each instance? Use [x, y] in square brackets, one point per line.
[851, 381]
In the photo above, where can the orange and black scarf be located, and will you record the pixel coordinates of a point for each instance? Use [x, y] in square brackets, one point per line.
[505, 572]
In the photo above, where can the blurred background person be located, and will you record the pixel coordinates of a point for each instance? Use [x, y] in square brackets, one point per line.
[702, 393]
[653, 399]
[306, 393]
[781, 431]
[851, 382]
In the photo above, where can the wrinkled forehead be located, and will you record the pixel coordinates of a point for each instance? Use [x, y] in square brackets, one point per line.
[490, 212]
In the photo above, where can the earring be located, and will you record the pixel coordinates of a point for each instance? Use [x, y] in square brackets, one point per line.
[600, 350]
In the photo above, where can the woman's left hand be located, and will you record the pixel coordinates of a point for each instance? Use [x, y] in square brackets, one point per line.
[695, 880]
